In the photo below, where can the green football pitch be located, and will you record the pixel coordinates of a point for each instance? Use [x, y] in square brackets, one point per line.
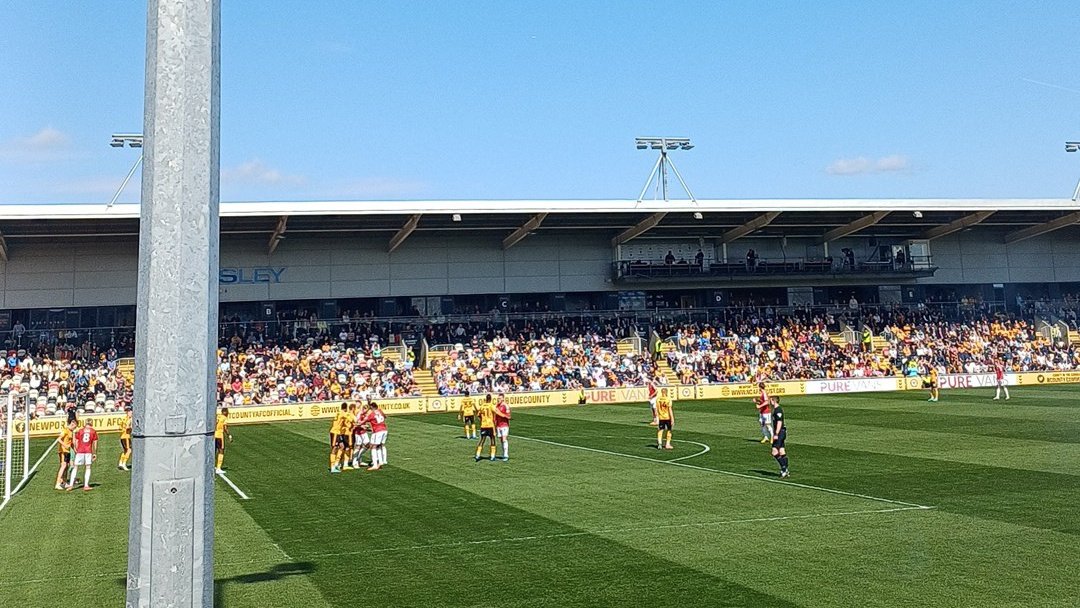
[892, 502]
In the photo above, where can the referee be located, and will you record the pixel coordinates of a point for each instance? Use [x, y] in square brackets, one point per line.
[779, 436]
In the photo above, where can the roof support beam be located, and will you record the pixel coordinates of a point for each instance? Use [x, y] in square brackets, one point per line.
[862, 223]
[757, 223]
[638, 229]
[956, 225]
[1027, 233]
[279, 233]
[3, 248]
[514, 237]
[406, 230]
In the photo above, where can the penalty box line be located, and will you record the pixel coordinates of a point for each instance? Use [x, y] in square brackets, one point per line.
[695, 467]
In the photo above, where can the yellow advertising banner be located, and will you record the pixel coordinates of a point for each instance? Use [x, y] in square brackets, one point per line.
[1028, 378]
[47, 427]
[749, 391]
[541, 399]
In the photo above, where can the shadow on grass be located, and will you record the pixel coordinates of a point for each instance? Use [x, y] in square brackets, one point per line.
[765, 473]
[276, 573]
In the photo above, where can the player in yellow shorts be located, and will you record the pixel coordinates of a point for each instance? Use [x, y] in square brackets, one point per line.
[125, 442]
[63, 450]
[341, 434]
[467, 416]
[221, 431]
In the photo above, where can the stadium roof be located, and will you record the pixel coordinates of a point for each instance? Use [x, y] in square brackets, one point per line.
[620, 220]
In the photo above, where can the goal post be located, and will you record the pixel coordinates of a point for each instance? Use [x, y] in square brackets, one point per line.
[16, 464]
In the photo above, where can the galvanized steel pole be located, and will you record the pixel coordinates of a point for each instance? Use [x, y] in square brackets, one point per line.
[171, 535]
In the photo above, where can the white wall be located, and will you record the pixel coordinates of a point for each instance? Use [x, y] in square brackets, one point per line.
[104, 273]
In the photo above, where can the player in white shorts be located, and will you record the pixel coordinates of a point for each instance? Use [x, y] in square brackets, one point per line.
[377, 419]
[652, 402]
[361, 438]
[502, 426]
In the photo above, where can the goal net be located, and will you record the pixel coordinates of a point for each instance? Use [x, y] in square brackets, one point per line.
[14, 445]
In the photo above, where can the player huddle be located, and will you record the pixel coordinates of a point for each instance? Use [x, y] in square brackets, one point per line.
[356, 429]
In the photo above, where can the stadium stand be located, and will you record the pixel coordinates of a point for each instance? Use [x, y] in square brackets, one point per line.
[304, 359]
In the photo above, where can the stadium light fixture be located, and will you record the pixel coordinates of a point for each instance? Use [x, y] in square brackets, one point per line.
[660, 169]
[456, 217]
[697, 215]
[1074, 146]
[131, 140]
[917, 214]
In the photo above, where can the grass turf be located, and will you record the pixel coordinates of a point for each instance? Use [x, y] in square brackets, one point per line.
[587, 513]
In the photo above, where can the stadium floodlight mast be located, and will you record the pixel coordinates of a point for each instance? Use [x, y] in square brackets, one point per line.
[171, 527]
[1074, 146]
[131, 140]
[660, 169]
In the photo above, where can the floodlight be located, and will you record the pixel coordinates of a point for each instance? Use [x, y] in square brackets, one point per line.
[917, 213]
[697, 215]
[133, 140]
[1072, 146]
[456, 217]
[663, 144]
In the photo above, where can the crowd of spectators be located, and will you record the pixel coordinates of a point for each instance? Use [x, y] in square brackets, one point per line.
[312, 360]
[50, 379]
[800, 347]
[550, 354]
[259, 374]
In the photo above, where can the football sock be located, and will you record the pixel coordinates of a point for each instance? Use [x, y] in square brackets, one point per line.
[382, 454]
[659, 438]
[478, 449]
[783, 462]
[333, 458]
[506, 448]
[1006, 392]
[74, 473]
[86, 478]
[493, 450]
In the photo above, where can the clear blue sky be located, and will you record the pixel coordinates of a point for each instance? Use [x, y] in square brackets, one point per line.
[399, 100]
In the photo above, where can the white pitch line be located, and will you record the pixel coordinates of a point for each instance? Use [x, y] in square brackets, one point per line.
[731, 473]
[520, 539]
[704, 450]
[235, 489]
[30, 474]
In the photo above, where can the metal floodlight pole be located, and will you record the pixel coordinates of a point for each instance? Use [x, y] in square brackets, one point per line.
[171, 530]
[660, 169]
[131, 140]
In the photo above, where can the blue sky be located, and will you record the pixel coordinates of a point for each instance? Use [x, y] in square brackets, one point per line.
[404, 100]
